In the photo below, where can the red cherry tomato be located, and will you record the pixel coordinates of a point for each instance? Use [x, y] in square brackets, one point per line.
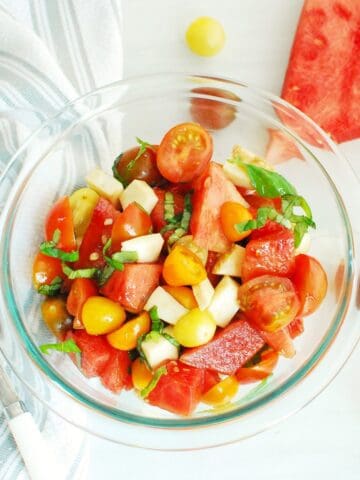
[130, 166]
[45, 269]
[81, 289]
[310, 283]
[132, 222]
[184, 152]
[268, 301]
[213, 114]
[259, 371]
[60, 218]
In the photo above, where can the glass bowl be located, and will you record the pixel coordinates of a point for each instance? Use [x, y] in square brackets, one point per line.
[91, 132]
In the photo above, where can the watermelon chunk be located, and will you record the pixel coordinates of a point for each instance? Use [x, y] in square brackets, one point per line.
[179, 390]
[228, 350]
[116, 374]
[96, 235]
[133, 286]
[211, 191]
[323, 74]
[95, 352]
[280, 341]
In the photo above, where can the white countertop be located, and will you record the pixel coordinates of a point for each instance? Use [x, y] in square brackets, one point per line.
[323, 440]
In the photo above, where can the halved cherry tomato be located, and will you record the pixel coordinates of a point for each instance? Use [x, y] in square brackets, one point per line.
[45, 269]
[232, 213]
[127, 167]
[213, 114]
[310, 282]
[101, 315]
[260, 370]
[132, 222]
[222, 392]
[184, 152]
[60, 218]
[183, 267]
[269, 301]
[81, 289]
[126, 337]
[183, 295]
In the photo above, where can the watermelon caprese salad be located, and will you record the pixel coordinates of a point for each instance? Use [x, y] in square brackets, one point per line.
[176, 276]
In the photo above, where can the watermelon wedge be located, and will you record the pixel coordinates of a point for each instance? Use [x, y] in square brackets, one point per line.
[323, 75]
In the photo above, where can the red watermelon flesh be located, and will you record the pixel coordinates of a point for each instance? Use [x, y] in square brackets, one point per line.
[323, 75]
[280, 341]
[231, 348]
[211, 191]
[95, 352]
[116, 373]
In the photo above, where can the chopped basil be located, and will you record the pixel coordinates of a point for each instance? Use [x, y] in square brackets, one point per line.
[142, 149]
[171, 339]
[157, 324]
[102, 275]
[169, 208]
[178, 233]
[125, 257]
[185, 220]
[50, 249]
[69, 346]
[81, 273]
[117, 260]
[52, 289]
[154, 381]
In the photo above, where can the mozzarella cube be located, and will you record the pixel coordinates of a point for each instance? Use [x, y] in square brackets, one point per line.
[105, 185]
[224, 303]
[203, 293]
[238, 176]
[230, 263]
[140, 192]
[157, 349]
[169, 309]
[147, 247]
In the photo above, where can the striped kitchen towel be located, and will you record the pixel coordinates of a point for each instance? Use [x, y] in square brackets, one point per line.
[51, 51]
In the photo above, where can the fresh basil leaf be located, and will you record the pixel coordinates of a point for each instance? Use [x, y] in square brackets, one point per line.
[263, 215]
[301, 222]
[185, 220]
[125, 257]
[102, 275]
[81, 273]
[52, 289]
[50, 249]
[69, 346]
[171, 339]
[157, 324]
[56, 236]
[154, 381]
[178, 233]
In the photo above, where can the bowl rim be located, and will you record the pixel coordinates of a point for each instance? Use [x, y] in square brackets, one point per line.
[50, 373]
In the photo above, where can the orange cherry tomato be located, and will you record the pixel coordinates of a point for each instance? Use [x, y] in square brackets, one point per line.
[232, 213]
[60, 218]
[132, 222]
[56, 316]
[183, 267]
[183, 295]
[310, 282]
[222, 392]
[140, 374]
[126, 337]
[213, 114]
[45, 269]
[81, 289]
[184, 152]
[259, 371]
[268, 301]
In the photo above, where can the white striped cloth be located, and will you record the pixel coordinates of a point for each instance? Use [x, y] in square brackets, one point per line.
[51, 51]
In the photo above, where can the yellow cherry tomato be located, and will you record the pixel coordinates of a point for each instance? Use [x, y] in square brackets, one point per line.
[183, 295]
[56, 316]
[222, 392]
[126, 337]
[140, 374]
[195, 328]
[183, 267]
[101, 315]
[205, 36]
[232, 213]
[188, 242]
[82, 203]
